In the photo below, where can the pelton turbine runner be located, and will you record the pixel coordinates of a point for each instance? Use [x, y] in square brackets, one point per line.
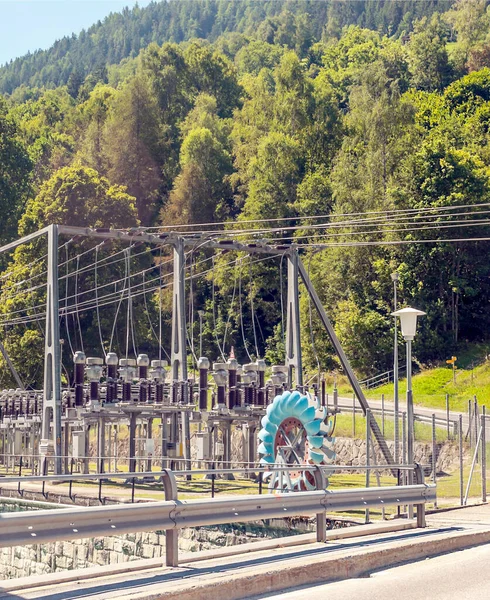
[295, 431]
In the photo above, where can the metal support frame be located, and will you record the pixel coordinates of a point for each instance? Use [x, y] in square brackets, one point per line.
[293, 328]
[345, 362]
[178, 342]
[179, 354]
[51, 422]
[11, 366]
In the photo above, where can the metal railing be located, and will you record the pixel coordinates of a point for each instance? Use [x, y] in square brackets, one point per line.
[45, 526]
[381, 378]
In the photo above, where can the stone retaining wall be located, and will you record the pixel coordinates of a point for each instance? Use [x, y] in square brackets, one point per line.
[23, 561]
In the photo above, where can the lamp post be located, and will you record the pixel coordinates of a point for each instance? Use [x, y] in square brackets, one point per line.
[394, 278]
[408, 322]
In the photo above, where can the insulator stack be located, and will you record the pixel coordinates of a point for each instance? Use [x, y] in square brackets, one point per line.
[158, 374]
[79, 360]
[261, 383]
[203, 366]
[220, 376]
[279, 377]
[249, 378]
[94, 373]
[239, 394]
[232, 381]
[111, 361]
[143, 363]
[127, 372]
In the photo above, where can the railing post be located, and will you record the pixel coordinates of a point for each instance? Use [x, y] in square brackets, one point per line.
[447, 416]
[321, 518]
[434, 453]
[483, 456]
[460, 434]
[419, 479]
[368, 452]
[171, 535]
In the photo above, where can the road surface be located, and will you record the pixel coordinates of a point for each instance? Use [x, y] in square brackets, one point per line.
[459, 575]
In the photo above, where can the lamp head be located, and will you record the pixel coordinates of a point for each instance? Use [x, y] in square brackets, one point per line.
[408, 321]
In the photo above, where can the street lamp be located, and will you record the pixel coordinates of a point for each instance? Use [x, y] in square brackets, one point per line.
[408, 322]
[394, 278]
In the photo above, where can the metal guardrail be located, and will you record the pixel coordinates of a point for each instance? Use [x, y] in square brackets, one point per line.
[45, 526]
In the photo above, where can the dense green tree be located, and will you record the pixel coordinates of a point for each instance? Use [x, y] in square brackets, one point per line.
[15, 170]
[93, 117]
[134, 144]
[428, 59]
[201, 193]
[79, 196]
[470, 21]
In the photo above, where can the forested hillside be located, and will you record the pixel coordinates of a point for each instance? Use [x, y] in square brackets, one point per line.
[362, 137]
[284, 22]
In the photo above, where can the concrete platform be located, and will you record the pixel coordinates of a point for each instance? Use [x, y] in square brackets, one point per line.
[262, 567]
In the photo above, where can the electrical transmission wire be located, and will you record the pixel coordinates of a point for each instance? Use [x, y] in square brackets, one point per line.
[214, 314]
[76, 305]
[245, 345]
[97, 300]
[387, 213]
[119, 305]
[67, 326]
[252, 307]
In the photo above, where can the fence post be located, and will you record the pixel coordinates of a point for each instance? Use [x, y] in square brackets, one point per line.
[460, 432]
[353, 415]
[447, 415]
[419, 479]
[383, 413]
[321, 518]
[404, 438]
[368, 457]
[483, 456]
[434, 454]
[470, 429]
[476, 419]
[171, 535]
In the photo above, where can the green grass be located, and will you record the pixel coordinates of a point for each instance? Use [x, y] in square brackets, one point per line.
[344, 428]
[431, 386]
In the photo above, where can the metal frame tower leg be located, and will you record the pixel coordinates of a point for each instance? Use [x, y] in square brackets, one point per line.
[293, 328]
[179, 354]
[51, 415]
[344, 362]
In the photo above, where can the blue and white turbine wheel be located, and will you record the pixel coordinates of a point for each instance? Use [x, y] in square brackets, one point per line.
[313, 444]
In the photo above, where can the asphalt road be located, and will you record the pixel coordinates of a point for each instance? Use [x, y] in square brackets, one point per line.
[459, 575]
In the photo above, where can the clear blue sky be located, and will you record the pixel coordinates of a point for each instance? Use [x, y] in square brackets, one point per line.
[27, 25]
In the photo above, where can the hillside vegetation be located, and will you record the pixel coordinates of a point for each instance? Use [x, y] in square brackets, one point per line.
[431, 386]
[283, 22]
[363, 126]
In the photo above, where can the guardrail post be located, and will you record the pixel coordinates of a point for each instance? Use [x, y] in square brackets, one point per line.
[321, 518]
[483, 456]
[419, 479]
[171, 535]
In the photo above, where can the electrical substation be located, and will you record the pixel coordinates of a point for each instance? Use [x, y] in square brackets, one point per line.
[52, 429]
